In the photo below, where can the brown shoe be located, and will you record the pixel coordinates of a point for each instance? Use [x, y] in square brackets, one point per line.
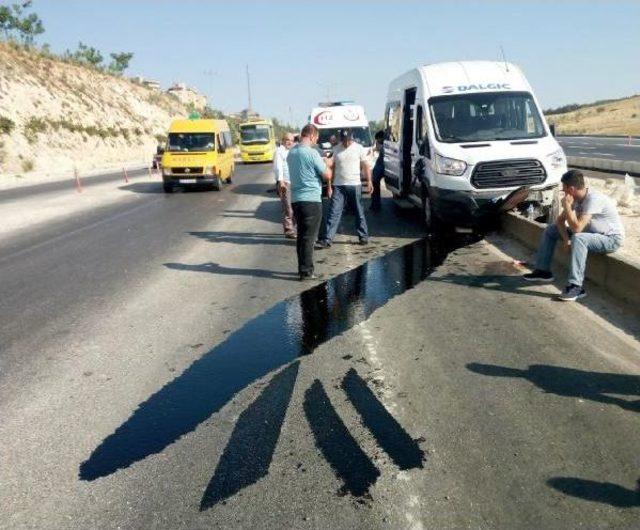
[290, 235]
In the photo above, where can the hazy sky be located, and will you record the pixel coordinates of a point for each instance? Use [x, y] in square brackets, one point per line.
[300, 52]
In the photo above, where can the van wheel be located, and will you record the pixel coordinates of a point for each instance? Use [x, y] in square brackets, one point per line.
[167, 186]
[217, 183]
[429, 219]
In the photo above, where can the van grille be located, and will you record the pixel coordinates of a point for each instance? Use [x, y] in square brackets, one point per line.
[508, 173]
[183, 170]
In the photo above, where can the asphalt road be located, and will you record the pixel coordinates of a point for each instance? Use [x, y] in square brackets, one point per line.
[161, 366]
[601, 147]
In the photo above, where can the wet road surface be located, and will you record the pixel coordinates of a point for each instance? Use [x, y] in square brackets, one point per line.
[162, 367]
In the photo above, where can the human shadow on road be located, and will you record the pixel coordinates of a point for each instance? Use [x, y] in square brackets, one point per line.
[254, 188]
[570, 382]
[215, 268]
[244, 238]
[603, 492]
[249, 452]
[493, 282]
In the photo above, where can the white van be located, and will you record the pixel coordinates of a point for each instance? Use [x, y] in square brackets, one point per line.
[460, 137]
[333, 117]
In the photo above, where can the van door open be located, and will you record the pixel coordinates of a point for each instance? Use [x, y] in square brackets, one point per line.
[392, 165]
[407, 139]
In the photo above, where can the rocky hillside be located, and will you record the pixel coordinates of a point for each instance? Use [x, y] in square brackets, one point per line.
[619, 117]
[55, 116]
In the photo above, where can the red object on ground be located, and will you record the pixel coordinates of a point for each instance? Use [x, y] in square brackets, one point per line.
[126, 177]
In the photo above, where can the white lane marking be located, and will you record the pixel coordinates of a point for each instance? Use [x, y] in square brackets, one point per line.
[601, 154]
[627, 145]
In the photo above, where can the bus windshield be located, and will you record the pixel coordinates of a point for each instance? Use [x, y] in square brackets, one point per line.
[486, 116]
[191, 142]
[362, 135]
[255, 134]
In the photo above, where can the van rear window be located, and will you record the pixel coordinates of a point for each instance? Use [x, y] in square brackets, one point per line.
[486, 116]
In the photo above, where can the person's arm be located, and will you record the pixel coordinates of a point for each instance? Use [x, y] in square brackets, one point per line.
[577, 223]
[324, 171]
[279, 163]
[364, 166]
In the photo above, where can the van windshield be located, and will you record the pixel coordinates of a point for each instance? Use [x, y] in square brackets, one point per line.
[254, 134]
[486, 116]
[191, 142]
[362, 135]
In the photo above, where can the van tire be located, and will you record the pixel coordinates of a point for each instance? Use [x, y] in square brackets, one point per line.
[430, 220]
[167, 186]
[217, 183]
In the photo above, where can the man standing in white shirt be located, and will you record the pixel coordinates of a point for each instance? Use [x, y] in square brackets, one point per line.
[284, 185]
[348, 160]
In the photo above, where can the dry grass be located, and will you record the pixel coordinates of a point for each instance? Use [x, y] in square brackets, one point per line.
[620, 117]
[62, 115]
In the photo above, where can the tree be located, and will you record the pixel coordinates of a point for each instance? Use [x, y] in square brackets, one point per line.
[88, 55]
[120, 62]
[13, 23]
[7, 21]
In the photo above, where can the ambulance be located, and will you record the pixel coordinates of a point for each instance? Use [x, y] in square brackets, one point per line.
[333, 117]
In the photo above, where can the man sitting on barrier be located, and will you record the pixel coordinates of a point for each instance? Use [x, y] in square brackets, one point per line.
[587, 222]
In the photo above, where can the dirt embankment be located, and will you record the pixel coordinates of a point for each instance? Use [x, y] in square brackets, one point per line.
[56, 116]
[620, 117]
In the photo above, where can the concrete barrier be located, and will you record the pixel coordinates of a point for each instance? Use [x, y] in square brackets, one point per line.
[605, 164]
[618, 275]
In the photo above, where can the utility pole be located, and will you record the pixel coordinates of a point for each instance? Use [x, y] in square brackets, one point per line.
[249, 89]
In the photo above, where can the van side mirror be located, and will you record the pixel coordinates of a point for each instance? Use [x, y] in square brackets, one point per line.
[160, 150]
[552, 128]
[221, 148]
[423, 149]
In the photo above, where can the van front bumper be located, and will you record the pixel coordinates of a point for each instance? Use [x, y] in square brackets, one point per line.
[190, 179]
[469, 208]
[256, 157]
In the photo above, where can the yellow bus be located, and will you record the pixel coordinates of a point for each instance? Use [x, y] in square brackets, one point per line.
[257, 141]
[198, 153]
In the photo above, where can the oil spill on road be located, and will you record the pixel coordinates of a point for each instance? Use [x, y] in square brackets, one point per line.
[292, 328]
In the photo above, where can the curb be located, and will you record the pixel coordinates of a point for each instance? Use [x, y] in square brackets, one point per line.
[603, 164]
[618, 275]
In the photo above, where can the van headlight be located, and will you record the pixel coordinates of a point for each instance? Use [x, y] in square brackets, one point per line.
[208, 170]
[557, 160]
[450, 166]
[166, 171]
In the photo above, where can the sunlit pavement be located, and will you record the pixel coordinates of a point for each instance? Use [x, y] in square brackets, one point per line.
[162, 366]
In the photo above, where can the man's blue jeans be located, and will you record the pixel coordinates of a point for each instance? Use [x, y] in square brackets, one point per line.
[341, 195]
[581, 244]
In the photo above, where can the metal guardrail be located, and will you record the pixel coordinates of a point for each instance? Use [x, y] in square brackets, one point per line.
[604, 164]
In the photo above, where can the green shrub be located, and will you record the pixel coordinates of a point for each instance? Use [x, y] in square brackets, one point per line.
[6, 125]
[27, 165]
[33, 127]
